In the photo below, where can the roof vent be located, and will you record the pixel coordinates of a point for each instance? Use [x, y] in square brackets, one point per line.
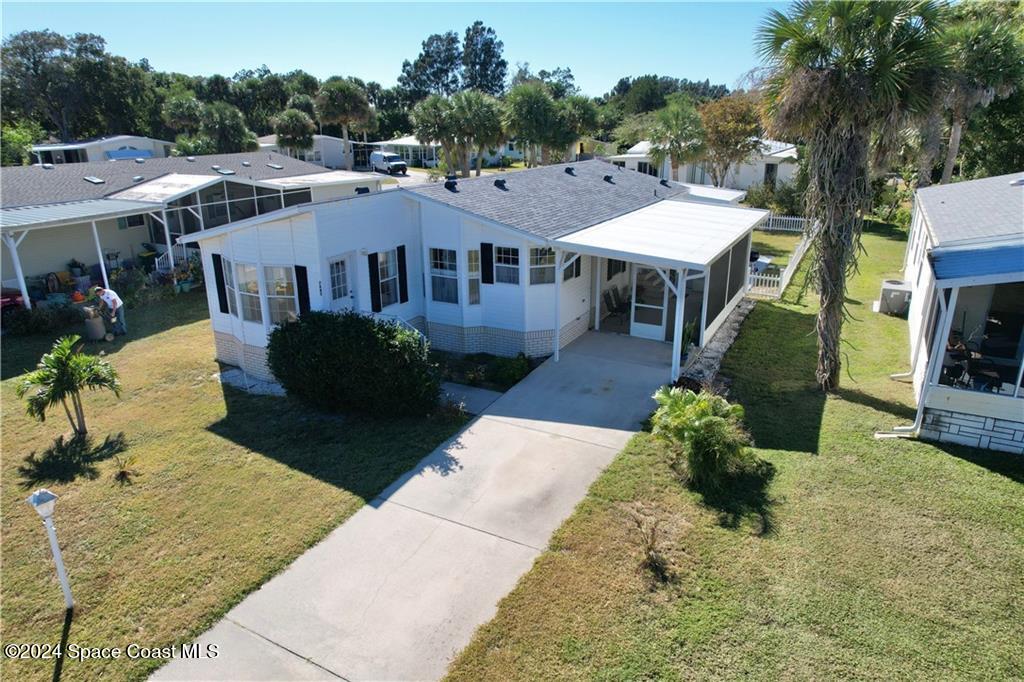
[190, 159]
[48, 166]
[275, 166]
[451, 184]
[224, 171]
[570, 170]
[1017, 183]
[137, 178]
[500, 184]
[608, 179]
[140, 160]
[664, 182]
[94, 180]
[362, 190]
[246, 164]
[215, 167]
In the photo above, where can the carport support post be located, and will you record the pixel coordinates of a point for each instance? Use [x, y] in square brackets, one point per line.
[704, 305]
[167, 238]
[677, 327]
[558, 300]
[596, 260]
[12, 244]
[99, 252]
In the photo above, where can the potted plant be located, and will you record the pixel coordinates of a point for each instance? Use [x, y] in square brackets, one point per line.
[76, 267]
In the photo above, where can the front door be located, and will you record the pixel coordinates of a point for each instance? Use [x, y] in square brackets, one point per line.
[340, 293]
[648, 314]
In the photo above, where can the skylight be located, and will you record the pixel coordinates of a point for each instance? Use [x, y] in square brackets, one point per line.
[94, 180]
[246, 164]
[275, 166]
[225, 171]
[190, 159]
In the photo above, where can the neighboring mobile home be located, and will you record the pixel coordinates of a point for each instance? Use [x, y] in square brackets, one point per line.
[965, 267]
[114, 148]
[418, 154]
[326, 150]
[103, 213]
[523, 263]
[776, 162]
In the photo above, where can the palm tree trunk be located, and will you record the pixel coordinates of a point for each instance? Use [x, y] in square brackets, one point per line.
[675, 170]
[954, 149]
[479, 160]
[76, 400]
[829, 326]
[545, 155]
[67, 411]
[466, 170]
[345, 146]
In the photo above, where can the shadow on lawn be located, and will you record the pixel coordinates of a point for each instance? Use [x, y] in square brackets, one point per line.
[22, 353]
[899, 410]
[66, 460]
[1002, 463]
[358, 454]
[745, 495]
[772, 365]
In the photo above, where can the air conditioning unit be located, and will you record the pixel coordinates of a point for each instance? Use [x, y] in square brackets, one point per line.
[895, 298]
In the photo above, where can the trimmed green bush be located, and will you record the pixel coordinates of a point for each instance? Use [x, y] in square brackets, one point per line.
[347, 362]
[707, 434]
[508, 372]
[23, 322]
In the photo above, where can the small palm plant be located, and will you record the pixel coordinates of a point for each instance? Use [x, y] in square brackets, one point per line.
[709, 431]
[61, 376]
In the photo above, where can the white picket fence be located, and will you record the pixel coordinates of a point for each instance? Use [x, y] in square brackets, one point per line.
[784, 223]
[772, 284]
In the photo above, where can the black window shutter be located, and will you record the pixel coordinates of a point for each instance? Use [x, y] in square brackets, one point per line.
[608, 269]
[487, 263]
[578, 266]
[218, 278]
[371, 262]
[302, 288]
[403, 277]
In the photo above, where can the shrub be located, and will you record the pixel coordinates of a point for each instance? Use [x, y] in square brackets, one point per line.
[19, 321]
[354, 363]
[707, 432]
[786, 198]
[648, 537]
[507, 372]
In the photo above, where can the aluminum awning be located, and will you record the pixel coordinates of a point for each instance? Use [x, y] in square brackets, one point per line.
[51, 215]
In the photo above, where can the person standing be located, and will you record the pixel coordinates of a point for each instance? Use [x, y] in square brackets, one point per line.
[114, 308]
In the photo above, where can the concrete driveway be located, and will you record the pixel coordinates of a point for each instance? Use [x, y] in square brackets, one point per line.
[398, 590]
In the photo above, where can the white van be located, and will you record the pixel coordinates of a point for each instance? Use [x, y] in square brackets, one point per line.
[387, 162]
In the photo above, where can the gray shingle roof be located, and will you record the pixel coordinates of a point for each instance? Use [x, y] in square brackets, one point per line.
[35, 185]
[974, 210]
[551, 203]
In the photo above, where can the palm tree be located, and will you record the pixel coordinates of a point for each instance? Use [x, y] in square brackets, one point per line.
[294, 130]
[529, 114]
[61, 376]
[477, 120]
[344, 103]
[985, 64]
[839, 74]
[432, 122]
[677, 134]
[576, 117]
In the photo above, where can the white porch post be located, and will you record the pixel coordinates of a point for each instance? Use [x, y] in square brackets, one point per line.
[558, 300]
[704, 305]
[167, 238]
[677, 327]
[12, 244]
[941, 340]
[596, 260]
[99, 252]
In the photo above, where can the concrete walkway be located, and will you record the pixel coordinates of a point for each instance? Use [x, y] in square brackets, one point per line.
[398, 590]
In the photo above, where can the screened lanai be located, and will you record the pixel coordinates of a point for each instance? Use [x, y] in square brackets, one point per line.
[671, 270]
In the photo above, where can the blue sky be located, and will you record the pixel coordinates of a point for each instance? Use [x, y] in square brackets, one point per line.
[599, 42]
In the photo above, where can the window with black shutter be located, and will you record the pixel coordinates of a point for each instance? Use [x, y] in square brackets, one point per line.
[218, 278]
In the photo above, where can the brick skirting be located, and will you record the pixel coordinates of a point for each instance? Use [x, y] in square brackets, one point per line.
[973, 430]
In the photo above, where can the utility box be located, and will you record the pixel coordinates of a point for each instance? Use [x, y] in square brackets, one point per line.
[895, 298]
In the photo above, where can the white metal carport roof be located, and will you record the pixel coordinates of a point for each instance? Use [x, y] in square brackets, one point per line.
[335, 177]
[672, 234]
[35, 217]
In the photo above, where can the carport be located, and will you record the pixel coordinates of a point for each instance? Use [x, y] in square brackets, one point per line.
[679, 249]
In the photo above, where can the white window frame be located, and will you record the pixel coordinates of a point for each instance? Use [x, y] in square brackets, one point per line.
[542, 265]
[473, 276]
[231, 292]
[339, 285]
[443, 268]
[243, 295]
[506, 262]
[392, 277]
[266, 288]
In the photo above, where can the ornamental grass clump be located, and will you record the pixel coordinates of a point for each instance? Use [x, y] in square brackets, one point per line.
[706, 433]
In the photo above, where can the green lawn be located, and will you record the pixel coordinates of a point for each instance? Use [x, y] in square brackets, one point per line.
[778, 245]
[848, 557]
[231, 488]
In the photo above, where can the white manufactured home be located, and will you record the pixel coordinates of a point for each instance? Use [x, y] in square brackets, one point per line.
[519, 264]
[113, 148]
[326, 151]
[965, 268]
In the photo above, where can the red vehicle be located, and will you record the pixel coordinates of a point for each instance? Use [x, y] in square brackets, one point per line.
[10, 299]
